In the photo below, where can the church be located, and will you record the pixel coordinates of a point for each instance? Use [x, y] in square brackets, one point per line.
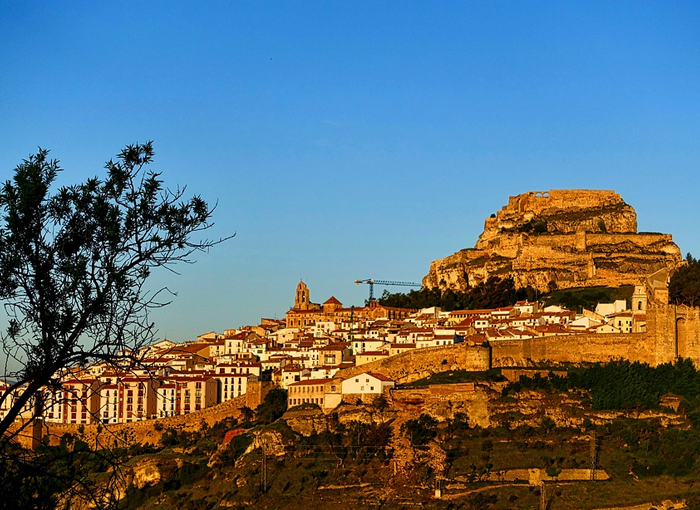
[304, 313]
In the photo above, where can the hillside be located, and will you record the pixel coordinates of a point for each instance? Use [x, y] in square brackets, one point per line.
[557, 240]
[530, 436]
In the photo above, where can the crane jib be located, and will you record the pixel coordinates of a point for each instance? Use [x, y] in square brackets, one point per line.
[371, 282]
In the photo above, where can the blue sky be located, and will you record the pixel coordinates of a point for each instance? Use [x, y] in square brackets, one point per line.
[347, 140]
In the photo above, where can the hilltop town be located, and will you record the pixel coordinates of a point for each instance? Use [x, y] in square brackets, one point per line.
[419, 389]
[554, 239]
[324, 353]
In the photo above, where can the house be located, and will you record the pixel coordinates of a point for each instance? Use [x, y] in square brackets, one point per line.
[366, 383]
[364, 344]
[370, 356]
[604, 328]
[622, 320]
[167, 399]
[395, 349]
[606, 309]
[195, 392]
[231, 385]
[333, 354]
[11, 398]
[292, 374]
[77, 402]
[322, 392]
[527, 307]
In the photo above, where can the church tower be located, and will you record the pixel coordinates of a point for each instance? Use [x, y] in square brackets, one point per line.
[301, 300]
[639, 300]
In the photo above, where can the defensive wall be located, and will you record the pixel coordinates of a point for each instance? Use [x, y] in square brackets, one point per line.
[584, 348]
[674, 331]
[586, 241]
[419, 363]
[671, 332]
[538, 201]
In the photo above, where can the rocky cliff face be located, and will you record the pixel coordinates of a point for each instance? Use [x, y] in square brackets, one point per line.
[562, 238]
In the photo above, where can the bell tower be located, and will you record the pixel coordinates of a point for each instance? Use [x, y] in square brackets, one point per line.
[301, 300]
[639, 300]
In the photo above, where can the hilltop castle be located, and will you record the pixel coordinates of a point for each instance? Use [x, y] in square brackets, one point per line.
[559, 239]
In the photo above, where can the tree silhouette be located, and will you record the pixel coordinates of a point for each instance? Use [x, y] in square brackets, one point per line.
[74, 262]
[684, 287]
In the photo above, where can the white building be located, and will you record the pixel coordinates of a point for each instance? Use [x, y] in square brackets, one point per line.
[366, 383]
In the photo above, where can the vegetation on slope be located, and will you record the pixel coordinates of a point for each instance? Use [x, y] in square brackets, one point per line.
[684, 287]
[500, 292]
[492, 293]
[460, 376]
[587, 297]
[623, 385]
[346, 459]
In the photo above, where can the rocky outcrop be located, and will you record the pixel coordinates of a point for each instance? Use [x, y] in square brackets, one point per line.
[562, 239]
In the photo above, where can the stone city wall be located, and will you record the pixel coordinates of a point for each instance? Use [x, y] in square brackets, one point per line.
[538, 201]
[419, 363]
[671, 332]
[583, 348]
[638, 239]
[675, 331]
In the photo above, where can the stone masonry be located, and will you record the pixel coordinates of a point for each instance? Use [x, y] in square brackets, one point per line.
[565, 238]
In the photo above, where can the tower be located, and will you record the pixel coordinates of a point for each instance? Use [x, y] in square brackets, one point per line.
[301, 300]
[639, 300]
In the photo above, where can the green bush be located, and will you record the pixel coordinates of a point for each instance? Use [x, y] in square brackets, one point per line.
[421, 431]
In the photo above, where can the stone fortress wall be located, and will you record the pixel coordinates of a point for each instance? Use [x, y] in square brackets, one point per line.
[672, 332]
[419, 363]
[570, 210]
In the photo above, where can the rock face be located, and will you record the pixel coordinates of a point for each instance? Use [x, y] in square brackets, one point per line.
[559, 239]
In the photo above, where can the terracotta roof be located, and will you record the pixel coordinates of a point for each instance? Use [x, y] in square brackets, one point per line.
[311, 382]
[379, 376]
[339, 346]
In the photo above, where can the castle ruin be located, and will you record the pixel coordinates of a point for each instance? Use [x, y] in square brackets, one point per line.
[559, 239]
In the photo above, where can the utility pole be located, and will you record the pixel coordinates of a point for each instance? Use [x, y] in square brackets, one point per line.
[438, 487]
[352, 323]
[263, 480]
[543, 497]
[594, 454]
